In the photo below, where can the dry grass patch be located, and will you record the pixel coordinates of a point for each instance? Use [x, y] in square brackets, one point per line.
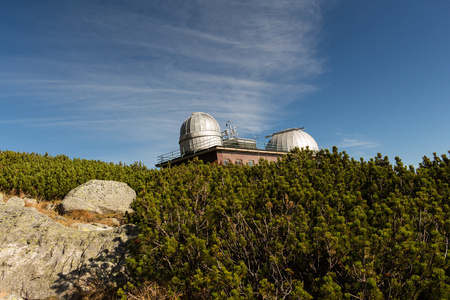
[151, 291]
[41, 206]
[84, 216]
[77, 216]
[146, 291]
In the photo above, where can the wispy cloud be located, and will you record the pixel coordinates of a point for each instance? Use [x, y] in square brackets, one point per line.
[149, 65]
[357, 143]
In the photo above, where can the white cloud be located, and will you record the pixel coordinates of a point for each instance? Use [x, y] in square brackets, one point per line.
[134, 68]
[357, 143]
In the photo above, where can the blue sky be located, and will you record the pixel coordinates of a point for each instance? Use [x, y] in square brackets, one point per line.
[114, 80]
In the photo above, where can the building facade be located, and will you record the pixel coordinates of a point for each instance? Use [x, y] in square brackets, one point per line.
[200, 136]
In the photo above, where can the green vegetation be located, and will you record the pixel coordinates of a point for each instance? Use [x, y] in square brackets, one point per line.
[51, 178]
[321, 226]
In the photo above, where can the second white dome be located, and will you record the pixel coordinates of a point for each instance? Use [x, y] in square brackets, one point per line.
[288, 139]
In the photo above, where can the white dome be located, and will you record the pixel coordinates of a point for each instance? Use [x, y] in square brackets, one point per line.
[199, 131]
[288, 139]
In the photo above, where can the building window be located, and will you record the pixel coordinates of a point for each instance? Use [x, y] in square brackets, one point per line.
[239, 162]
[226, 162]
[251, 163]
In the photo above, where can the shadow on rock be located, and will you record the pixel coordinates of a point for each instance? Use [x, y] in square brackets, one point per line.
[40, 258]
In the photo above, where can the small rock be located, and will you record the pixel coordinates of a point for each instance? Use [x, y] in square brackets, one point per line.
[11, 297]
[29, 200]
[113, 221]
[15, 201]
[102, 225]
[88, 227]
[60, 218]
[2, 196]
[50, 206]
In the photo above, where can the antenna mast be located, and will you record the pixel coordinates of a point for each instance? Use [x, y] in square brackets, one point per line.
[230, 132]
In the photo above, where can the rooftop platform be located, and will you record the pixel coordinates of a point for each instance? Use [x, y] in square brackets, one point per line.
[234, 149]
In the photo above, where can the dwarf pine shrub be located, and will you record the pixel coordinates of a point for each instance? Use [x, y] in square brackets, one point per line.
[321, 226]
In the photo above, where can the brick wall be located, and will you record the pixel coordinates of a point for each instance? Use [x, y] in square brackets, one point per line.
[245, 156]
[219, 154]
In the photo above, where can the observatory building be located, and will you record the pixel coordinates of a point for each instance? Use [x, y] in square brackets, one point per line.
[200, 136]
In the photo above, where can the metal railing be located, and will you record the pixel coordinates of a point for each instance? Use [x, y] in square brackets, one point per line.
[199, 146]
[227, 143]
[169, 156]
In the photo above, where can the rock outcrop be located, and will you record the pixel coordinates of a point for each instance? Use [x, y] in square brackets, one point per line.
[40, 258]
[100, 196]
[15, 201]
